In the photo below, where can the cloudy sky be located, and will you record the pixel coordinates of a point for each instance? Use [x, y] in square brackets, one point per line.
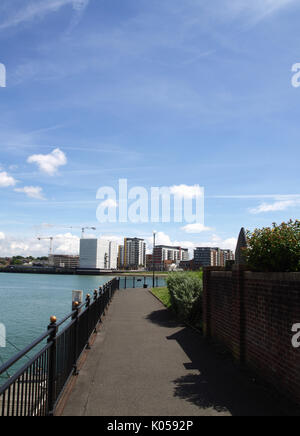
[163, 93]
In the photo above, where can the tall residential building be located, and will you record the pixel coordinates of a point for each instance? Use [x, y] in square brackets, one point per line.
[164, 253]
[134, 254]
[121, 257]
[211, 256]
[98, 254]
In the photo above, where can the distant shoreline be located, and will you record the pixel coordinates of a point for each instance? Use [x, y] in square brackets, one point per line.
[61, 271]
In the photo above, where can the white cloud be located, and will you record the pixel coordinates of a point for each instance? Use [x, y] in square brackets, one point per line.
[6, 180]
[66, 244]
[196, 228]
[30, 246]
[32, 192]
[49, 163]
[186, 191]
[274, 207]
[2, 236]
[256, 10]
[38, 9]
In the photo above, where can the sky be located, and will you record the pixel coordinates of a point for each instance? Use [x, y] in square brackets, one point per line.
[162, 93]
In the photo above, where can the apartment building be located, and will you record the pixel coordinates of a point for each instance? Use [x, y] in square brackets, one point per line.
[211, 256]
[163, 254]
[64, 261]
[132, 255]
[98, 254]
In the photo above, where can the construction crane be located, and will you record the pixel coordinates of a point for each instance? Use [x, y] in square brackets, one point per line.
[48, 238]
[83, 229]
[86, 228]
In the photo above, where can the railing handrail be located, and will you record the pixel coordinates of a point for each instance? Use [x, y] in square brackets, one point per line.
[23, 353]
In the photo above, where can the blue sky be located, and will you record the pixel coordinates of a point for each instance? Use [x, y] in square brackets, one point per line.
[162, 93]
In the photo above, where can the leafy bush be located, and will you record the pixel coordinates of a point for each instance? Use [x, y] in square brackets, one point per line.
[186, 295]
[275, 249]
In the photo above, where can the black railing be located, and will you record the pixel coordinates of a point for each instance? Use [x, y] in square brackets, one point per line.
[37, 387]
[141, 281]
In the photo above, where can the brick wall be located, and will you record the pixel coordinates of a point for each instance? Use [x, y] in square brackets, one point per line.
[252, 314]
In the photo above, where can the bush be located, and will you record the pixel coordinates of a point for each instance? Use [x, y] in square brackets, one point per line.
[186, 295]
[275, 249]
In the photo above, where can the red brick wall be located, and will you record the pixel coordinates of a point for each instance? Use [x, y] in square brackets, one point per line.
[252, 314]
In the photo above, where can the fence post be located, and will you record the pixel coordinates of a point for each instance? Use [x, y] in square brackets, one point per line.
[101, 302]
[76, 309]
[88, 302]
[52, 375]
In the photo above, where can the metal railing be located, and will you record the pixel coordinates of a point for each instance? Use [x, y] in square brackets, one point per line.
[37, 387]
[140, 282]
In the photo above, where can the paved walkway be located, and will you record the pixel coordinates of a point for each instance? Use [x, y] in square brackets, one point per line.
[144, 364]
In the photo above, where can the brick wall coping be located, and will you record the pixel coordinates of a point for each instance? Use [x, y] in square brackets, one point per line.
[249, 275]
[278, 277]
[221, 274]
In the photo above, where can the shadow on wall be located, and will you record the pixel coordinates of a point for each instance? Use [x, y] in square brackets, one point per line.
[214, 381]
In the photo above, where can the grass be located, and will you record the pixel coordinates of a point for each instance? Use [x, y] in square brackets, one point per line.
[163, 295]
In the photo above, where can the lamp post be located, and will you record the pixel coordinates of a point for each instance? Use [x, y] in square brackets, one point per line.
[153, 262]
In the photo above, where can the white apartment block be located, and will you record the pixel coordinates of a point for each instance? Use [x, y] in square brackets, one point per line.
[98, 254]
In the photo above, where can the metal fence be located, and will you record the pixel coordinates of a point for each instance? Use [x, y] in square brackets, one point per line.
[36, 388]
[141, 282]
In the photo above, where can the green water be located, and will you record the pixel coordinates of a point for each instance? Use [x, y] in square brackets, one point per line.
[28, 300]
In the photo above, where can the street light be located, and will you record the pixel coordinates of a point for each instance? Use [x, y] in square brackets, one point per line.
[154, 236]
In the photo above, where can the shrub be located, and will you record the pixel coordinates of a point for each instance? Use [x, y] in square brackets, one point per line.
[186, 295]
[275, 249]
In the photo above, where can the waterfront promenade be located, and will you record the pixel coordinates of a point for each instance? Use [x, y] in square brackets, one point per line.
[143, 363]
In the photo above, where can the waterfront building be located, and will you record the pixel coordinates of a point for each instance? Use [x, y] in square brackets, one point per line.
[113, 255]
[134, 256]
[121, 257]
[149, 262]
[98, 254]
[64, 261]
[211, 256]
[164, 254]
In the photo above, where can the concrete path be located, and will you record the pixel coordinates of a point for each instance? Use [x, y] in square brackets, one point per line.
[144, 364]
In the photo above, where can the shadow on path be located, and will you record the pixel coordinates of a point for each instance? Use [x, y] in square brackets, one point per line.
[215, 381]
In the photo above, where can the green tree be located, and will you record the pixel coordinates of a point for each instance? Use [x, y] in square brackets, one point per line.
[275, 249]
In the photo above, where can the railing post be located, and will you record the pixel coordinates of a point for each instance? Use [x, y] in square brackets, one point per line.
[96, 311]
[101, 302]
[76, 308]
[88, 302]
[52, 366]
